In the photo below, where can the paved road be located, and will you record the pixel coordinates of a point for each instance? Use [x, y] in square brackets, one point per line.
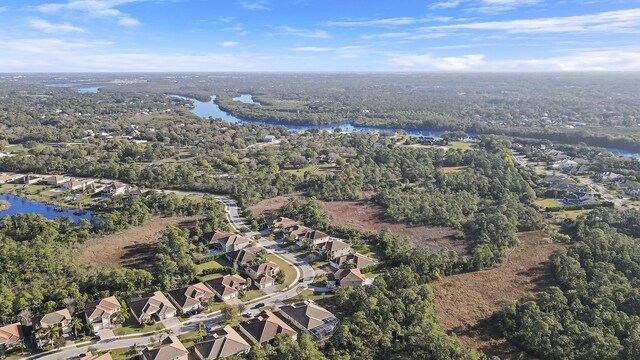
[304, 277]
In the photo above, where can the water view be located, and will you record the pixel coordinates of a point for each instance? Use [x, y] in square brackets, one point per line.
[19, 205]
[82, 90]
[247, 99]
[209, 109]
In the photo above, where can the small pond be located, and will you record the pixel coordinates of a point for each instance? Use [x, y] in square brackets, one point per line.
[25, 206]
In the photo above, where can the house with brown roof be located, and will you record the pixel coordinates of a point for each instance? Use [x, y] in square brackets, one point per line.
[56, 180]
[191, 297]
[77, 185]
[264, 328]
[60, 319]
[221, 343]
[263, 274]
[227, 287]
[306, 237]
[225, 241]
[169, 349]
[153, 306]
[333, 249]
[244, 257]
[10, 336]
[283, 223]
[115, 189]
[311, 318]
[31, 179]
[100, 313]
[90, 356]
[356, 260]
[349, 277]
[8, 178]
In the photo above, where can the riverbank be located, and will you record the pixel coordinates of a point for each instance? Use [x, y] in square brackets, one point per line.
[4, 205]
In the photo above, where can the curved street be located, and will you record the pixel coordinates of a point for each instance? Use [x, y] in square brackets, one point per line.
[304, 277]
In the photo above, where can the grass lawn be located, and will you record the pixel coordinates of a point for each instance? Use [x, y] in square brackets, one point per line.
[252, 294]
[460, 145]
[131, 327]
[545, 203]
[123, 354]
[17, 355]
[289, 270]
[572, 214]
[189, 339]
[215, 264]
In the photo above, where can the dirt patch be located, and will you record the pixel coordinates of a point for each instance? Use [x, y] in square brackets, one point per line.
[273, 204]
[132, 248]
[465, 303]
[365, 215]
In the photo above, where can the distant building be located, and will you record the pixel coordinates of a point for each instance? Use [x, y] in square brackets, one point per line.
[269, 138]
[311, 318]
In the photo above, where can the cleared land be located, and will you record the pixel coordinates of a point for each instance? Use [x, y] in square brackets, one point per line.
[131, 248]
[273, 204]
[365, 215]
[466, 302]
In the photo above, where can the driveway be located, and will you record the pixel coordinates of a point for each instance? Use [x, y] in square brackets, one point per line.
[106, 333]
[171, 322]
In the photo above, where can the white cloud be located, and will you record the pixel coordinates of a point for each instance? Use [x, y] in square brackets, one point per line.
[318, 34]
[430, 62]
[386, 35]
[606, 60]
[93, 8]
[3, 9]
[49, 27]
[229, 43]
[312, 49]
[486, 6]
[255, 5]
[611, 21]
[387, 22]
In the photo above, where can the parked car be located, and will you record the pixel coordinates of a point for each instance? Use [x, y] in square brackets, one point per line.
[258, 305]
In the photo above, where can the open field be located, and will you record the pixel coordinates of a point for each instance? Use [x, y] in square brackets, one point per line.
[465, 302]
[273, 204]
[131, 248]
[364, 215]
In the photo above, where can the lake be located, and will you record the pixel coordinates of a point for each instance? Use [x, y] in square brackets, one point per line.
[206, 109]
[24, 206]
[82, 90]
[624, 152]
[247, 99]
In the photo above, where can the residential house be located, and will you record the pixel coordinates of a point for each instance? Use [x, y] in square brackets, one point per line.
[225, 241]
[244, 257]
[191, 297]
[311, 319]
[221, 343]
[356, 260]
[95, 188]
[334, 248]
[349, 277]
[264, 328]
[56, 180]
[10, 336]
[77, 185]
[135, 193]
[306, 237]
[169, 349]
[581, 199]
[263, 274]
[227, 287]
[60, 319]
[152, 306]
[31, 179]
[269, 138]
[100, 313]
[634, 194]
[8, 178]
[115, 189]
[90, 356]
[564, 164]
[283, 223]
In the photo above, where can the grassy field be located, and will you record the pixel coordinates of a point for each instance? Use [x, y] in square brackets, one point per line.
[252, 294]
[189, 339]
[289, 270]
[324, 168]
[545, 203]
[123, 354]
[131, 327]
[572, 214]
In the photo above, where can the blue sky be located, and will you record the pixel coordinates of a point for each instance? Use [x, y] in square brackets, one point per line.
[319, 35]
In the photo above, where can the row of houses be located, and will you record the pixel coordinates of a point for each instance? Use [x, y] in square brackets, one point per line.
[571, 192]
[244, 257]
[340, 255]
[67, 183]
